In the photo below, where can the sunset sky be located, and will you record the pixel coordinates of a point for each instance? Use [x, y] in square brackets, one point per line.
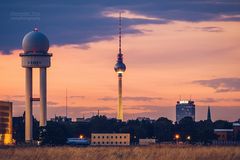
[172, 49]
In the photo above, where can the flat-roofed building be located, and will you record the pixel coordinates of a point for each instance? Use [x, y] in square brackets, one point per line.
[5, 123]
[224, 134]
[61, 119]
[147, 141]
[110, 139]
[236, 131]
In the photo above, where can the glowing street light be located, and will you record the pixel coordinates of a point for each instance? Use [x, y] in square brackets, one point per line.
[81, 136]
[189, 138]
[177, 136]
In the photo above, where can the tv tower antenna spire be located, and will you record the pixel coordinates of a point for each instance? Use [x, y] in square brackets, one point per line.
[120, 33]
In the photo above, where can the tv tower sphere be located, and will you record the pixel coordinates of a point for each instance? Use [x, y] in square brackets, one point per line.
[120, 67]
[35, 46]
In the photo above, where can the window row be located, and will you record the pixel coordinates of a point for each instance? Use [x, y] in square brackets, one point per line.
[107, 137]
[109, 143]
[34, 62]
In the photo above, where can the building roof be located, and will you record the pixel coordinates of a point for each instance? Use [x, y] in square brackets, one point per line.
[223, 130]
[236, 124]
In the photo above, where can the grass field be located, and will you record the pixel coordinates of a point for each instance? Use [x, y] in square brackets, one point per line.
[121, 153]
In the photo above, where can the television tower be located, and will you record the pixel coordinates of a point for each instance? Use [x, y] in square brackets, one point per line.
[35, 45]
[119, 69]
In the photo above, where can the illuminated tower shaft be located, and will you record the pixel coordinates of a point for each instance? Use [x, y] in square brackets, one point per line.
[120, 107]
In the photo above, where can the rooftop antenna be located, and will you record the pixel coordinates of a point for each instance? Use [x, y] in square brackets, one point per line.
[66, 104]
[120, 33]
[98, 113]
[35, 28]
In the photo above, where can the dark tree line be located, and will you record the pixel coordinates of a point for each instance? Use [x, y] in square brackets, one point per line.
[163, 129]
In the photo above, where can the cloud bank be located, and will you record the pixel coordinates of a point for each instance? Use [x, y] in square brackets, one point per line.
[221, 84]
[81, 22]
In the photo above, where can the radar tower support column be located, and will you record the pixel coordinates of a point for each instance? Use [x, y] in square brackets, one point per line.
[43, 97]
[28, 109]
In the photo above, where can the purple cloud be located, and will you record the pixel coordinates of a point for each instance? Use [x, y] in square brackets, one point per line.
[221, 84]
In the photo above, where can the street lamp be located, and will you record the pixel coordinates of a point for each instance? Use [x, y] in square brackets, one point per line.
[81, 136]
[177, 137]
[188, 138]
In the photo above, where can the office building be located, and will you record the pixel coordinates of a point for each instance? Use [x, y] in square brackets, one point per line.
[185, 109]
[110, 139]
[5, 123]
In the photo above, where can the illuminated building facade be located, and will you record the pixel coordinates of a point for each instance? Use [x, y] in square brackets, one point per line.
[110, 139]
[5, 123]
[185, 109]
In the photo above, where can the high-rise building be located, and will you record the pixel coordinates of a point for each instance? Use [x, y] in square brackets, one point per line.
[5, 123]
[119, 68]
[185, 109]
[35, 45]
